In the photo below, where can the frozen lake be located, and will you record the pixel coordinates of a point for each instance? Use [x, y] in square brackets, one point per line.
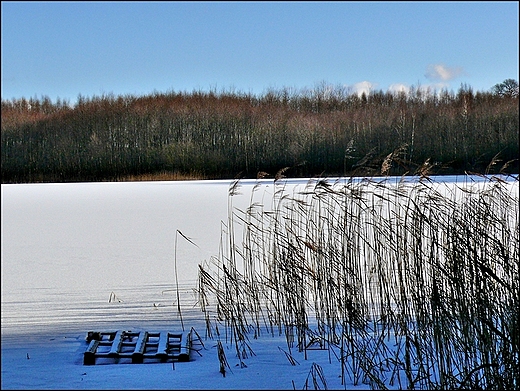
[80, 255]
[68, 248]
[97, 256]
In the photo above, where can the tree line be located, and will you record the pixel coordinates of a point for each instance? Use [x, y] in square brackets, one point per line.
[326, 131]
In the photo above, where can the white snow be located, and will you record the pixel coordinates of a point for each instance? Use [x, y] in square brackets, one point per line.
[68, 249]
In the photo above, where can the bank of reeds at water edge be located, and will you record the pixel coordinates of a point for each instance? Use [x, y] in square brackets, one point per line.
[407, 284]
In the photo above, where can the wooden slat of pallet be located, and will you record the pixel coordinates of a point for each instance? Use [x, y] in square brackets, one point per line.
[162, 347]
[116, 344]
[140, 347]
[185, 346]
[89, 357]
[174, 342]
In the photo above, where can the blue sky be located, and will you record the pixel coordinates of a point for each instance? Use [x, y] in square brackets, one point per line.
[64, 49]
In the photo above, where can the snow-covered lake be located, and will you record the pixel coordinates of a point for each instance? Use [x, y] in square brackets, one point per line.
[83, 256]
[67, 247]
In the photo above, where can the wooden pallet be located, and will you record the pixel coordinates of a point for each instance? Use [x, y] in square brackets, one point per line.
[137, 346]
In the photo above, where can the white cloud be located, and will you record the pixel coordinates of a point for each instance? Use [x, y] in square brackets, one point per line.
[440, 72]
[425, 90]
[364, 86]
[399, 87]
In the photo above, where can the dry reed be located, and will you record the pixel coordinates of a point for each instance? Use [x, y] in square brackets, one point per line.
[408, 285]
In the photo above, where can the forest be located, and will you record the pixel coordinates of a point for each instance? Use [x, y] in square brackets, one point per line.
[322, 131]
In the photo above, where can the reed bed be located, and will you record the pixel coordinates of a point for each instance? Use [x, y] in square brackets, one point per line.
[162, 176]
[408, 285]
